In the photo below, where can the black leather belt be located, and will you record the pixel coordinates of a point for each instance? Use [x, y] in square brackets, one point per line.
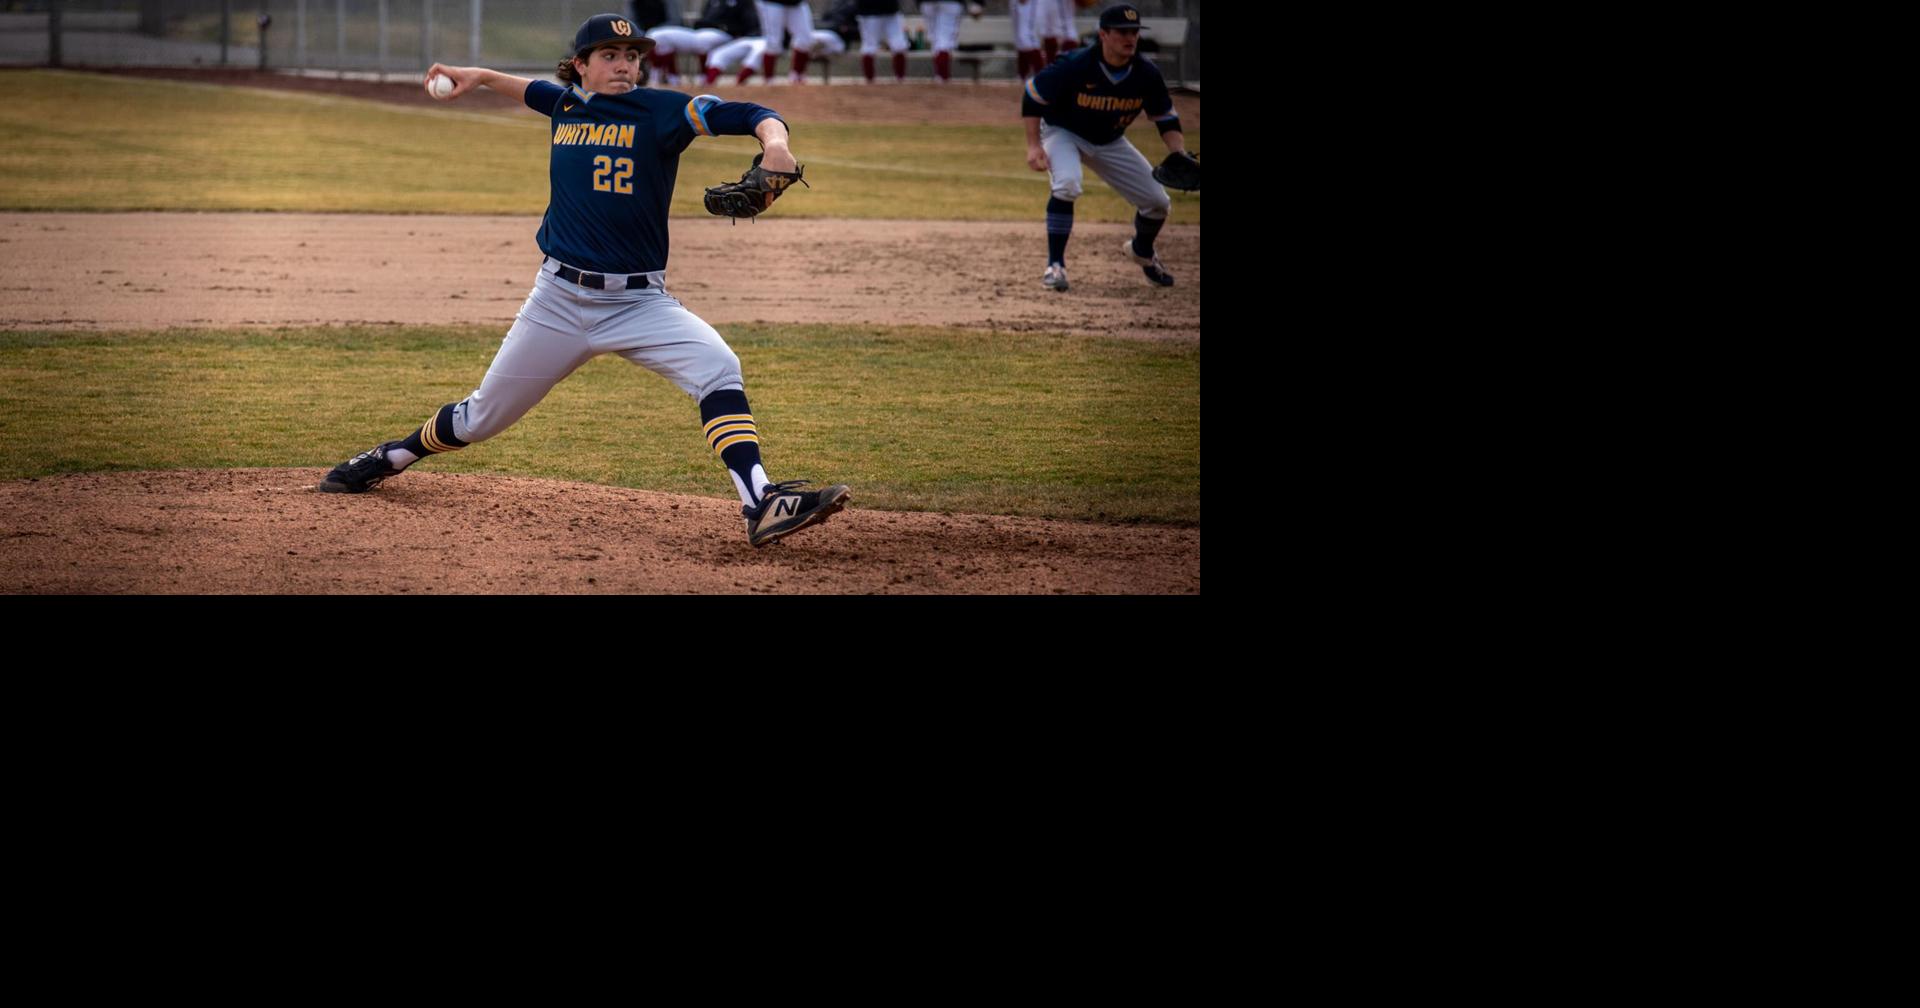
[598, 281]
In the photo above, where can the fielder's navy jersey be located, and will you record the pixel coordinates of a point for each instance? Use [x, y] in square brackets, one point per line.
[613, 166]
[1081, 93]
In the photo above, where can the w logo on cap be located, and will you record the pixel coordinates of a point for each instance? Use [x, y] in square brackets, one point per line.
[622, 28]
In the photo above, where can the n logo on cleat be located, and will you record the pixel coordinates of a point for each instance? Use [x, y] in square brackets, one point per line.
[786, 507]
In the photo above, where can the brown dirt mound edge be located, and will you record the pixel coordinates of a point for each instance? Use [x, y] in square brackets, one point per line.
[269, 531]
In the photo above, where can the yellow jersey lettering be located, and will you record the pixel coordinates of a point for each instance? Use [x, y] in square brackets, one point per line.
[626, 136]
[1108, 104]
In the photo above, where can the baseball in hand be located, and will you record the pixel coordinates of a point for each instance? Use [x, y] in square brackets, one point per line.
[441, 85]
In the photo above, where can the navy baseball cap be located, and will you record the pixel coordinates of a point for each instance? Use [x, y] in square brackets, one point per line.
[1121, 16]
[601, 29]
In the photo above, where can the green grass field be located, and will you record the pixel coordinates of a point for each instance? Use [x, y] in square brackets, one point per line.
[916, 418]
[71, 141]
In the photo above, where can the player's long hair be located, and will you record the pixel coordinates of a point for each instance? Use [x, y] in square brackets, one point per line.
[568, 75]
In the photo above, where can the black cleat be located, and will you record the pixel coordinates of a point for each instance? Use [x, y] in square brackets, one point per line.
[783, 510]
[1150, 265]
[362, 472]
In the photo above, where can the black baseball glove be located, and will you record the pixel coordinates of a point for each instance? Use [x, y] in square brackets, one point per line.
[754, 193]
[1179, 171]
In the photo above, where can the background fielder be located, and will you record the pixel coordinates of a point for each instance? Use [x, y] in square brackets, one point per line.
[615, 151]
[1078, 109]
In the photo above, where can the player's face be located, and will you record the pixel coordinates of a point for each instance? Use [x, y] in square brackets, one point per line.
[1118, 44]
[611, 69]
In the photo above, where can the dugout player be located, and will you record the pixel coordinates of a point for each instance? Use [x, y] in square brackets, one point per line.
[881, 24]
[793, 21]
[1078, 109]
[719, 23]
[615, 149]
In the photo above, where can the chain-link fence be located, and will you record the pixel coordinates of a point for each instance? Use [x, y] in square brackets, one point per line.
[363, 36]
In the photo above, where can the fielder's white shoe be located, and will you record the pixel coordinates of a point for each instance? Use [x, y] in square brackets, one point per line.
[1055, 276]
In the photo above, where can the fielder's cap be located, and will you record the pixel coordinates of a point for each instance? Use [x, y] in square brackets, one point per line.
[602, 29]
[1121, 16]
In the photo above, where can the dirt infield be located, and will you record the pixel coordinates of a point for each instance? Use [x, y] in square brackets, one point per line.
[145, 270]
[266, 531]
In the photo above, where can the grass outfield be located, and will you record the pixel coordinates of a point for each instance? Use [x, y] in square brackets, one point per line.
[912, 418]
[73, 141]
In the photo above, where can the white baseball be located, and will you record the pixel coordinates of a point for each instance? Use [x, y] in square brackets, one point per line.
[441, 85]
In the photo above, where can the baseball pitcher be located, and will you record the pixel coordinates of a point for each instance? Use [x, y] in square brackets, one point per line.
[602, 285]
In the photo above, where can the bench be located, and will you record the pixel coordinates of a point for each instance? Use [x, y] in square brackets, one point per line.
[989, 38]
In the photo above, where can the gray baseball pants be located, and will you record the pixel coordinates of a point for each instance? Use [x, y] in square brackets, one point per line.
[563, 325]
[1120, 163]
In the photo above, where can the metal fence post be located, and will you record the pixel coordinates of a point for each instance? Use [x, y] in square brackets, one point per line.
[473, 40]
[300, 34]
[426, 34]
[226, 28]
[340, 36]
[381, 74]
[54, 56]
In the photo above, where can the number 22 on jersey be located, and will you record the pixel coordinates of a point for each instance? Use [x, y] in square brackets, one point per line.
[613, 174]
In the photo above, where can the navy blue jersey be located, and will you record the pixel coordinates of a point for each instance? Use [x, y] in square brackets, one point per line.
[613, 166]
[1081, 93]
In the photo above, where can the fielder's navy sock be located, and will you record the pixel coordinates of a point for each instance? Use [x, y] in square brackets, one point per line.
[732, 435]
[1059, 229]
[434, 437]
[1144, 231]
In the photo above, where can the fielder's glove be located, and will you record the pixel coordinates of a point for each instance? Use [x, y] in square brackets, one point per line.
[1179, 171]
[754, 193]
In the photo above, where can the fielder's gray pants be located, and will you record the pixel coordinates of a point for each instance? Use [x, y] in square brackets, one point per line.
[1120, 163]
[564, 325]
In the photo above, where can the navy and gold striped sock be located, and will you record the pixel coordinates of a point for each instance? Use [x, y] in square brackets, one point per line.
[730, 432]
[1059, 229]
[434, 437]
